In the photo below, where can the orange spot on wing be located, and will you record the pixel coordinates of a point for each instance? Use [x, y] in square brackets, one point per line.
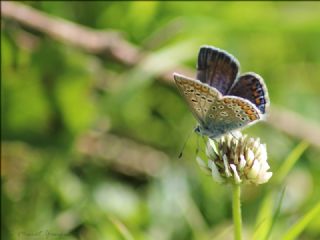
[245, 107]
[258, 101]
[205, 88]
[241, 104]
[253, 117]
[249, 111]
[226, 100]
[196, 85]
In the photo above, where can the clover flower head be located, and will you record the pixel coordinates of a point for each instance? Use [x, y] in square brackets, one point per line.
[236, 158]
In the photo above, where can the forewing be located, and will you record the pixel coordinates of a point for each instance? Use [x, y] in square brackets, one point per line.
[252, 87]
[217, 68]
[199, 96]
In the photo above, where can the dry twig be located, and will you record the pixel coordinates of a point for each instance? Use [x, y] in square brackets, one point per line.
[97, 42]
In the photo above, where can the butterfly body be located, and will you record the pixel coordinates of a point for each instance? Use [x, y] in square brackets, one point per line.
[219, 99]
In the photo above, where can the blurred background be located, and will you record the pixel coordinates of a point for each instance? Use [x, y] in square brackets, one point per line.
[92, 124]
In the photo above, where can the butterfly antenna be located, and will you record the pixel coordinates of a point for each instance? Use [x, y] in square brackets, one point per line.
[198, 145]
[197, 149]
[184, 144]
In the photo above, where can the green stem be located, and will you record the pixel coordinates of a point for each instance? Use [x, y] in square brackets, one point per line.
[236, 210]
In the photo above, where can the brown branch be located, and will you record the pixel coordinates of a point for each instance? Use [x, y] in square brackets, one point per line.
[93, 41]
[122, 154]
[111, 43]
[295, 125]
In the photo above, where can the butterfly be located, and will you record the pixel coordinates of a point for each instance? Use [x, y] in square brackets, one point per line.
[220, 99]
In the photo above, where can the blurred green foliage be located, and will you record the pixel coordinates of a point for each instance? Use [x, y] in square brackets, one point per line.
[54, 97]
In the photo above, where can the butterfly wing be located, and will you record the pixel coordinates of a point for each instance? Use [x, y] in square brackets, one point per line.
[217, 68]
[199, 96]
[216, 114]
[252, 87]
[228, 114]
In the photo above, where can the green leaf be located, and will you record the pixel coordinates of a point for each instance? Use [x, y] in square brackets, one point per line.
[75, 102]
[264, 219]
[276, 214]
[299, 226]
[290, 161]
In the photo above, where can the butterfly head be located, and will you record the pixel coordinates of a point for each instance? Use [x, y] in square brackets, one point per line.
[211, 133]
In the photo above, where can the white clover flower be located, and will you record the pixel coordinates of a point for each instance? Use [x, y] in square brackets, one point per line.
[237, 159]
